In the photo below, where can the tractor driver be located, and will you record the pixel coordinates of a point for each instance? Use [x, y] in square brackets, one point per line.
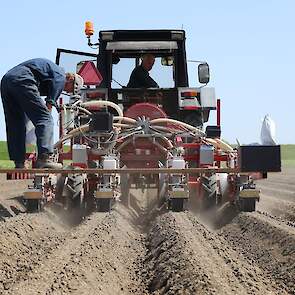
[140, 77]
[21, 91]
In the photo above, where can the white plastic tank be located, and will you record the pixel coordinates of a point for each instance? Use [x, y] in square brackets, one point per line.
[177, 163]
[79, 154]
[109, 162]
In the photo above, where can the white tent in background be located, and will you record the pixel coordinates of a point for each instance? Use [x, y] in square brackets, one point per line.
[268, 130]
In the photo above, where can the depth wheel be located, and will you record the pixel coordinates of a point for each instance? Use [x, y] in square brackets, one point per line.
[34, 206]
[247, 205]
[104, 205]
[176, 205]
[73, 192]
[73, 196]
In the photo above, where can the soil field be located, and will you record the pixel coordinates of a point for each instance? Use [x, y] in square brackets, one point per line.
[148, 250]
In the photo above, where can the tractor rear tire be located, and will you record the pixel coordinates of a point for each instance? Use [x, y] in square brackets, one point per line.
[209, 188]
[60, 183]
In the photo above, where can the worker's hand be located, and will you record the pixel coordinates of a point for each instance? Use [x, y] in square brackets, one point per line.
[49, 106]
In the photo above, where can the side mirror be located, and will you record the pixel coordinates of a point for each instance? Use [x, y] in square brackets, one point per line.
[167, 61]
[203, 73]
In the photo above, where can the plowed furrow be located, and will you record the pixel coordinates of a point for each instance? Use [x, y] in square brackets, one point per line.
[147, 250]
[279, 193]
[267, 243]
[185, 257]
[87, 260]
[277, 207]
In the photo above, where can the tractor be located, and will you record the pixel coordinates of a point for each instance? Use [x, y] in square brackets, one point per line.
[113, 138]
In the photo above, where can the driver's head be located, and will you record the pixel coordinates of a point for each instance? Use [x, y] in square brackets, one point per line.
[148, 61]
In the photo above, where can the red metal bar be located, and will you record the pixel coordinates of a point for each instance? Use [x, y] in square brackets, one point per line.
[120, 171]
[192, 157]
[191, 108]
[222, 158]
[65, 156]
[191, 145]
[19, 176]
[141, 158]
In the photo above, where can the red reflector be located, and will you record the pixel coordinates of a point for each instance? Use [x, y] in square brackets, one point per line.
[90, 74]
[19, 176]
[178, 140]
[95, 94]
[80, 165]
[189, 94]
[192, 108]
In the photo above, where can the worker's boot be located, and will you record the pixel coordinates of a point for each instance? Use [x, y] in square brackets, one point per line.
[19, 164]
[46, 161]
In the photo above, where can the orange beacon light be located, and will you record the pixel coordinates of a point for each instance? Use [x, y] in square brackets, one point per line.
[89, 30]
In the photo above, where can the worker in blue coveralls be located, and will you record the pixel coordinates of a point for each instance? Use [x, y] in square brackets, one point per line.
[21, 91]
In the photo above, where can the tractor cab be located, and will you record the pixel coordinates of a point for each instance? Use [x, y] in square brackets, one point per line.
[107, 73]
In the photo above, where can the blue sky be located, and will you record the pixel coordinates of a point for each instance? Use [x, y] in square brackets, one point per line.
[250, 46]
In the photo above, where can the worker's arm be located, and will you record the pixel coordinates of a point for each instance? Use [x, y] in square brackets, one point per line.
[49, 106]
[56, 86]
[151, 83]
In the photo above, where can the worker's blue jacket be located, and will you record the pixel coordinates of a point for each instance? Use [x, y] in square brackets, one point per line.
[49, 76]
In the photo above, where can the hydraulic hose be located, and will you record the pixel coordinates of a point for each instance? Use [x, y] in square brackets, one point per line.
[190, 127]
[218, 143]
[102, 103]
[125, 119]
[84, 110]
[215, 142]
[123, 144]
[83, 128]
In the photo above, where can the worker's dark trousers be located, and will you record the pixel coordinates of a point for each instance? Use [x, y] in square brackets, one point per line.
[20, 96]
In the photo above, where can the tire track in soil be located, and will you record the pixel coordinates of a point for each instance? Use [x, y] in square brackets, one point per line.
[266, 242]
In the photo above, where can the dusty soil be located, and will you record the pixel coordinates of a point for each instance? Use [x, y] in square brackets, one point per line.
[145, 250]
